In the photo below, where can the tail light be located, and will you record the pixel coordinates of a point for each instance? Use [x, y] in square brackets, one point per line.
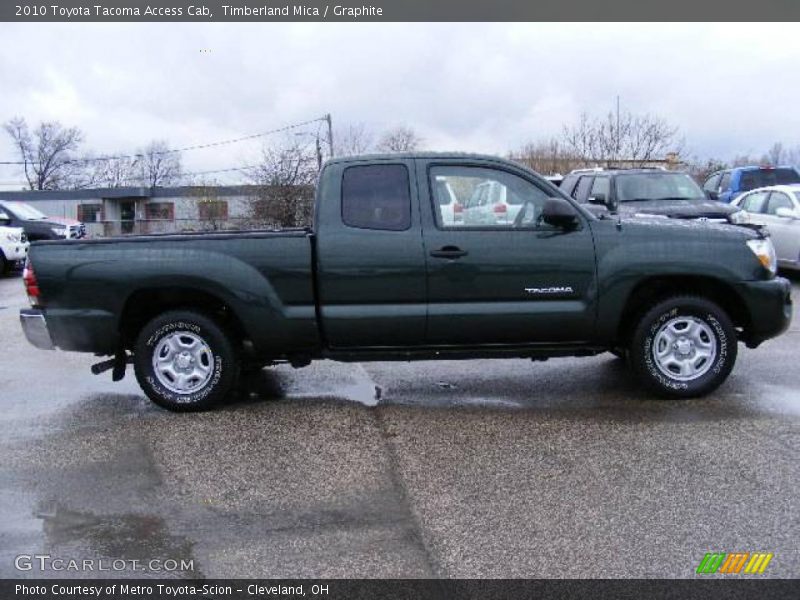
[458, 208]
[31, 285]
[500, 208]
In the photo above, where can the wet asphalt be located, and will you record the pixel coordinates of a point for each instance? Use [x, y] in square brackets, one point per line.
[480, 468]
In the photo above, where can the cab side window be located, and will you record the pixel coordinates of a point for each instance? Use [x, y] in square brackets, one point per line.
[376, 197]
[725, 183]
[485, 198]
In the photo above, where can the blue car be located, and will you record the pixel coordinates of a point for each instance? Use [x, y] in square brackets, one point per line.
[727, 185]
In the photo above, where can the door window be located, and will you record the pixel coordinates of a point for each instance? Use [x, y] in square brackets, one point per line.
[582, 191]
[778, 200]
[376, 197]
[600, 186]
[725, 183]
[491, 198]
[712, 184]
[755, 202]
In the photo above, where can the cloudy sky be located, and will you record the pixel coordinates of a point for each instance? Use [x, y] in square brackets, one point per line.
[731, 89]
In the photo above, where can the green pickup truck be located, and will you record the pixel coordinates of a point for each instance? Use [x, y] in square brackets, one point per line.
[413, 256]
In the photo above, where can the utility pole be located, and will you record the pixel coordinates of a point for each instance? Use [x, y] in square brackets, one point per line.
[616, 148]
[330, 133]
[319, 153]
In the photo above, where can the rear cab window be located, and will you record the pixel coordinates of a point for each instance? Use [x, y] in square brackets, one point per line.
[376, 197]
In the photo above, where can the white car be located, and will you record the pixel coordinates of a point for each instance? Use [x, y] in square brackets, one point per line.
[13, 248]
[492, 203]
[778, 208]
[451, 210]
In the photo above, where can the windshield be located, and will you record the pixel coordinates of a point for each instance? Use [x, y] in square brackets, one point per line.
[657, 186]
[24, 211]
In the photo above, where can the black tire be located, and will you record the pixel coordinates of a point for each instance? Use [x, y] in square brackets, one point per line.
[5, 266]
[660, 379]
[223, 371]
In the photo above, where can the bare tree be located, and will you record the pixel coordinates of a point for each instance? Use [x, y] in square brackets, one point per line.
[284, 179]
[775, 155]
[157, 165]
[112, 172]
[47, 153]
[353, 140]
[626, 138]
[399, 139]
[549, 157]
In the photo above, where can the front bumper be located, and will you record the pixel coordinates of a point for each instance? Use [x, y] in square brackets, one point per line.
[17, 252]
[769, 305]
[34, 326]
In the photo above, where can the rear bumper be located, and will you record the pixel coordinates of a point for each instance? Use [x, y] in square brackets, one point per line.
[34, 326]
[769, 304]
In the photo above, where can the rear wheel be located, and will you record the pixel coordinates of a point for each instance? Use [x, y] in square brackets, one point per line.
[683, 347]
[184, 361]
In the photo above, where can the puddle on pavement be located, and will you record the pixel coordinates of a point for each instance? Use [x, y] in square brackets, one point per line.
[73, 534]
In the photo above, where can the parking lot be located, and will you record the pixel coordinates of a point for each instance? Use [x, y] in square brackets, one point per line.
[502, 468]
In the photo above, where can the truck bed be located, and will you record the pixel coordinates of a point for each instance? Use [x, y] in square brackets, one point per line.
[263, 278]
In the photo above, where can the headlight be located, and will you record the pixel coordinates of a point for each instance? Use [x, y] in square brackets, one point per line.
[765, 252]
[13, 237]
[59, 231]
[739, 217]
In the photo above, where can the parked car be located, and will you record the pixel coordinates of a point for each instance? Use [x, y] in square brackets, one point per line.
[492, 203]
[39, 226]
[651, 192]
[451, 211]
[556, 179]
[727, 185]
[570, 181]
[13, 247]
[778, 208]
[380, 277]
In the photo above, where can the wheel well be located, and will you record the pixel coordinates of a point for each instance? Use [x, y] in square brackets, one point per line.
[652, 290]
[144, 305]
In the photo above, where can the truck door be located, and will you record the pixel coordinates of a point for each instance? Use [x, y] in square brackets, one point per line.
[370, 260]
[513, 281]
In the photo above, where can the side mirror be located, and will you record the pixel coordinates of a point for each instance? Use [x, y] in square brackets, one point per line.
[4, 219]
[597, 199]
[559, 213]
[711, 195]
[788, 213]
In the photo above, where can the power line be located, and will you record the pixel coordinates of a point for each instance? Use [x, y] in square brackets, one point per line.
[185, 148]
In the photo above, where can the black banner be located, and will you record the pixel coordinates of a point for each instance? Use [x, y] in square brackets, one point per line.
[397, 10]
[340, 589]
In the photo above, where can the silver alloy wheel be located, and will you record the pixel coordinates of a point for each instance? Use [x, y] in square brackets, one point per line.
[684, 348]
[183, 362]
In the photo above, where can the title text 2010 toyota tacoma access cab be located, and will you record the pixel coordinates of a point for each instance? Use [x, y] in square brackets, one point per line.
[384, 276]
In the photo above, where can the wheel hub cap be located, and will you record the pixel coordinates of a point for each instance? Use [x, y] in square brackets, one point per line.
[684, 348]
[183, 362]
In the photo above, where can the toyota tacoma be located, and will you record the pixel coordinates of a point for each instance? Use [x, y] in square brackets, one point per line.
[385, 274]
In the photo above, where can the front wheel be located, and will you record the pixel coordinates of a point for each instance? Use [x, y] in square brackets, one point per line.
[683, 347]
[184, 361]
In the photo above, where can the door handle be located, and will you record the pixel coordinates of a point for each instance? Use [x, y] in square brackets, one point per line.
[449, 252]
